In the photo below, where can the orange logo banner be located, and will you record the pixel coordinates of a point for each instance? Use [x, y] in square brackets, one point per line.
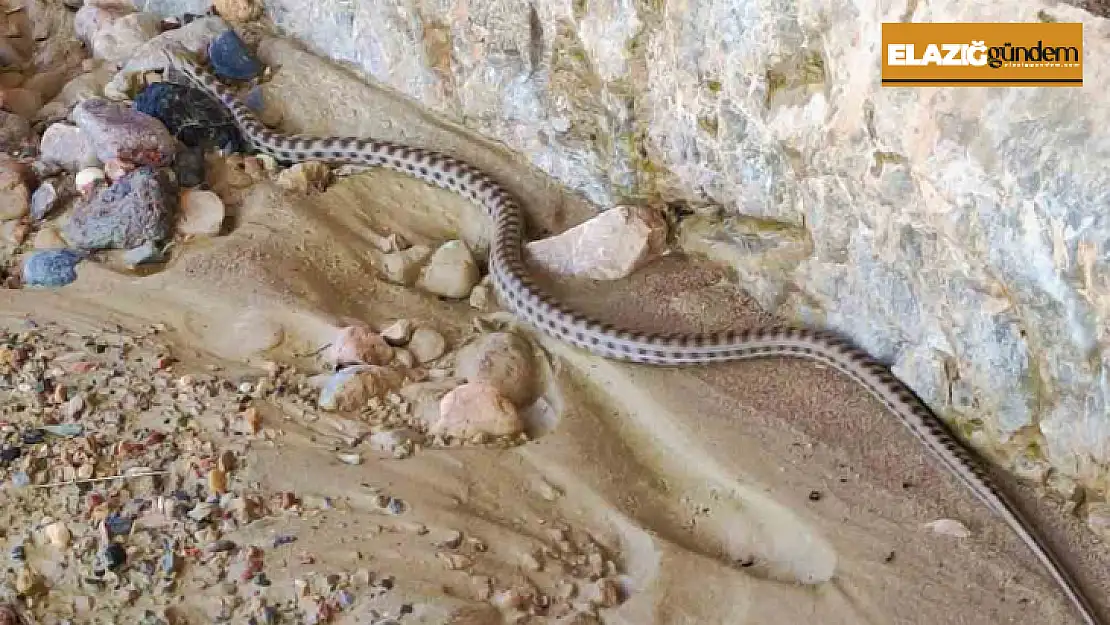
[982, 55]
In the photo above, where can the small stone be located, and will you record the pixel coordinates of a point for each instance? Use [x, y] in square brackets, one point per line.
[949, 527]
[231, 59]
[505, 361]
[68, 146]
[426, 344]
[23, 102]
[91, 19]
[404, 267]
[264, 106]
[46, 198]
[482, 297]
[450, 272]
[202, 213]
[118, 131]
[217, 481]
[15, 198]
[146, 253]
[238, 10]
[530, 562]
[189, 165]
[392, 440]
[476, 408]
[50, 268]
[115, 169]
[352, 459]
[403, 358]
[398, 333]
[117, 40]
[608, 247]
[89, 180]
[14, 130]
[307, 177]
[136, 209]
[454, 561]
[609, 592]
[358, 345]
[351, 388]
[113, 556]
[14, 231]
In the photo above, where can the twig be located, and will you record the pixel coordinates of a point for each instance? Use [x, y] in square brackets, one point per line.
[122, 476]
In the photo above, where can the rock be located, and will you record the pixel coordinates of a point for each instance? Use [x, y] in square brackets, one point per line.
[231, 59]
[47, 83]
[608, 247]
[118, 131]
[358, 345]
[67, 146]
[91, 19]
[115, 169]
[50, 268]
[83, 87]
[264, 106]
[949, 527]
[351, 388]
[137, 208]
[399, 332]
[482, 296]
[118, 39]
[239, 10]
[202, 213]
[503, 360]
[473, 409]
[89, 180]
[58, 534]
[22, 102]
[404, 267]
[14, 130]
[189, 165]
[191, 116]
[142, 255]
[15, 199]
[397, 439]
[305, 177]
[426, 344]
[47, 197]
[48, 239]
[450, 272]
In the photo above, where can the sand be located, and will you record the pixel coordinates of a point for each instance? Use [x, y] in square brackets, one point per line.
[765, 493]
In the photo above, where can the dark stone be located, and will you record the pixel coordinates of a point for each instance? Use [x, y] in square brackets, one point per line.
[33, 437]
[113, 556]
[231, 59]
[51, 268]
[9, 454]
[191, 116]
[189, 166]
[138, 208]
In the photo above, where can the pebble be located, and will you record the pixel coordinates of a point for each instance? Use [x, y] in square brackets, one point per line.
[58, 534]
[609, 592]
[450, 272]
[403, 267]
[307, 177]
[120, 132]
[358, 345]
[609, 246]
[89, 20]
[113, 556]
[352, 459]
[190, 115]
[50, 268]
[426, 344]
[14, 130]
[399, 332]
[136, 209]
[476, 408]
[23, 102]
[88, 180]
[202, 213]
[351, 388]
[188, 166]
[144, 254]
[15, 198]
[67, 146]
[505, 361]
[949, 527]
[45, 198]
[115, 40]
[482, 296]
[231, 58]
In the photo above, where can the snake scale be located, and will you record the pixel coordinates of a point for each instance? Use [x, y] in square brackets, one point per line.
[516, 290]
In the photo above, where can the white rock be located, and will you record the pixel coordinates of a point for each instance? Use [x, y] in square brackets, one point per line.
[426, 344]
[404, 267]
[450, 272]
[482, 296]
[608, 247]
[949, 527]
[391, 440]
[202, 213]
[476, 408]
[117, 40]
[67, 146]
[503, 360]
[88, 179]
[399, 332]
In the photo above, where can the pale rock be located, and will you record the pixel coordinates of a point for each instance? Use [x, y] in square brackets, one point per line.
[68, 146]
[15, 198]
[358, 344]
[22, 101]
[426, 344]
[88, 179]
[475, 408]
[83, 87]
[351, 388]
[307, 177]
[609, 246]
[505, 361]
[404, 267]
[58, 534]
[115, 168]
[48, 239]
[399, 332]
[949, 527]
[91, 19]
[393, 440]
[450, 272]
[403, 358]
[117, 40]
[482, 296]
[202, 213]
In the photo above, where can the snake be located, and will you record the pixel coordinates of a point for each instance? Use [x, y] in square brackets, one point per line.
[527, 301]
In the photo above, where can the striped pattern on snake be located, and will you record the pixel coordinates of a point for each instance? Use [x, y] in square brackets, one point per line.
[516, 290]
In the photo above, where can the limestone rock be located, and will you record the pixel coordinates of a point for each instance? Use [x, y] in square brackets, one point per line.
[474, 409]
[450, 272]
[202, 213]
[610, 246]
[426, 344]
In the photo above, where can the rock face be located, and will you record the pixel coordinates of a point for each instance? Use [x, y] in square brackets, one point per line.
[958, 234]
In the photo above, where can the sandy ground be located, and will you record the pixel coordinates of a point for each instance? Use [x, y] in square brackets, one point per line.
[756, 493]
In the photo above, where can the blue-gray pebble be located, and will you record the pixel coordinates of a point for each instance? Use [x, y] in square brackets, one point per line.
[50, 268]
[231, 58]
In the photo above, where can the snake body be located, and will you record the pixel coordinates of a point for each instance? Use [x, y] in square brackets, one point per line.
[515, 289]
